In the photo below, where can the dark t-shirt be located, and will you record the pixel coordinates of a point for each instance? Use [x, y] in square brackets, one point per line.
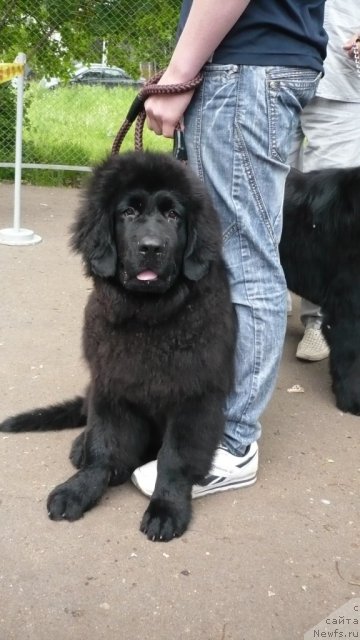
[272, 33]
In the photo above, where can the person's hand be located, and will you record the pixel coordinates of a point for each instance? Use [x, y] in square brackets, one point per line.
[165, 112]
[348, 45]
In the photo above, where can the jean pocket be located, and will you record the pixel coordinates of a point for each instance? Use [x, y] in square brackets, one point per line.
[296, 75]
[288, 91]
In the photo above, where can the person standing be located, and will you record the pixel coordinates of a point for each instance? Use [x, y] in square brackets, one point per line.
[261, 64]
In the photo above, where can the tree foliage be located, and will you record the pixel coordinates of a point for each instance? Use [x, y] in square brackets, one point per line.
[54, 34]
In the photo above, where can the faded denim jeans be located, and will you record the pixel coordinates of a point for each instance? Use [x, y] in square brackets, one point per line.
[238, 132]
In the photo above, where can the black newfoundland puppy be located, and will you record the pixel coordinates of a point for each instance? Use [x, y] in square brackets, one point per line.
[158, 337]
[320, 254]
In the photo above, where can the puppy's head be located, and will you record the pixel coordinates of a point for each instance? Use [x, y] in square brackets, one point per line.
[146, 221]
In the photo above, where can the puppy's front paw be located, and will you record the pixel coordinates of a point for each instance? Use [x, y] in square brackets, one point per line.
[164, 520]
[77, 452]
[64, 504]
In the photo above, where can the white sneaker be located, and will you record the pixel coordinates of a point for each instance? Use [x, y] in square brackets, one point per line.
[227, 472]
[313, 345]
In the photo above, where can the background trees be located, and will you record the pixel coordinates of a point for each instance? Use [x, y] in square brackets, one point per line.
[56, 33]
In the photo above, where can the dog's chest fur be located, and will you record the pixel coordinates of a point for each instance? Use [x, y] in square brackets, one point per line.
[143, 363]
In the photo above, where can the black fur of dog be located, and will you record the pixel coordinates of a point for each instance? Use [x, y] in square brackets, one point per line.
[158, 337]
[320, 254]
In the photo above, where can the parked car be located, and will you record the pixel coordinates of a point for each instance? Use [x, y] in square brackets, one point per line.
[96, 74]
[103, 75]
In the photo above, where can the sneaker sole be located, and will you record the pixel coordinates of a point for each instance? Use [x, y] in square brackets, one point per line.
[310, 358]
[237, 484]
[199, 492]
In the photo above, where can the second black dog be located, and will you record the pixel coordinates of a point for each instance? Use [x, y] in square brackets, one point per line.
[320, 254]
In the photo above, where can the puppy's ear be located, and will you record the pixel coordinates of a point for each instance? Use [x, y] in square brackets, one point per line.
[204, 240]
[195, 264]
[102, 254]
[93, 238]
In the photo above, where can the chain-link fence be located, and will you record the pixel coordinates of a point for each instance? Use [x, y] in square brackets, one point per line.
[86, 60]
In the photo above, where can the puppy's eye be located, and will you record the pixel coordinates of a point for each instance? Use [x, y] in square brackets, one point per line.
[129, 212]
[171, 214]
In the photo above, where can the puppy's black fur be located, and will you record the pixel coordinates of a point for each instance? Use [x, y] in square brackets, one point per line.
[320, 254]
[158, 337]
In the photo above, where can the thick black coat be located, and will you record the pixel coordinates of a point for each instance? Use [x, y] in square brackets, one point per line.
[159, 337]
[320, 254]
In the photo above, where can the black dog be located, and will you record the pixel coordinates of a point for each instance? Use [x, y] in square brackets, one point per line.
[320, 254]
[158, 337]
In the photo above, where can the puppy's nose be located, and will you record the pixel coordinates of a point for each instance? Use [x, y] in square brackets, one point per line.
[150, 245]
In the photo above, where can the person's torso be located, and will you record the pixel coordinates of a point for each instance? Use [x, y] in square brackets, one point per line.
[272, 33]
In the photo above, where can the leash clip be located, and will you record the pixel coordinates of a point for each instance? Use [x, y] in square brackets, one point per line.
[179, 149]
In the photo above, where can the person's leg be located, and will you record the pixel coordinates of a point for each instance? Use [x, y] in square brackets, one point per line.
[295, 155]
[294, 159]
[331, 128]
[238, 131]
[310, 314]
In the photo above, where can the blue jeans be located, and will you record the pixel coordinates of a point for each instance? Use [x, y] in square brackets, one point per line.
[238, 132]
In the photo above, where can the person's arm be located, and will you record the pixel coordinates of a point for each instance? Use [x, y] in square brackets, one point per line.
[208, 23]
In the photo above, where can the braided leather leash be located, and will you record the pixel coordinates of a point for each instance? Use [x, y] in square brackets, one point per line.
[137, 112]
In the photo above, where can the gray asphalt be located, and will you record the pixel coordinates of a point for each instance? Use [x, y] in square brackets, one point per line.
[263, 563]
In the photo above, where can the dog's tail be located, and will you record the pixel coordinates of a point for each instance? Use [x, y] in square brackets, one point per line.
[65, 415]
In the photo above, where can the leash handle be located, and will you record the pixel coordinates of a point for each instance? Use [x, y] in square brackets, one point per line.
[137, 112]
[179, 148]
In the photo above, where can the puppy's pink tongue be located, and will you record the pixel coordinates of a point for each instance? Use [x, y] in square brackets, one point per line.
[146, 275]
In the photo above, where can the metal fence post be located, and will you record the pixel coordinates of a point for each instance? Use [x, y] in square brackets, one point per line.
[17, 235]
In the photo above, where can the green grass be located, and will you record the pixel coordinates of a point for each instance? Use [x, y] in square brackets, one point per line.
[76, 126]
